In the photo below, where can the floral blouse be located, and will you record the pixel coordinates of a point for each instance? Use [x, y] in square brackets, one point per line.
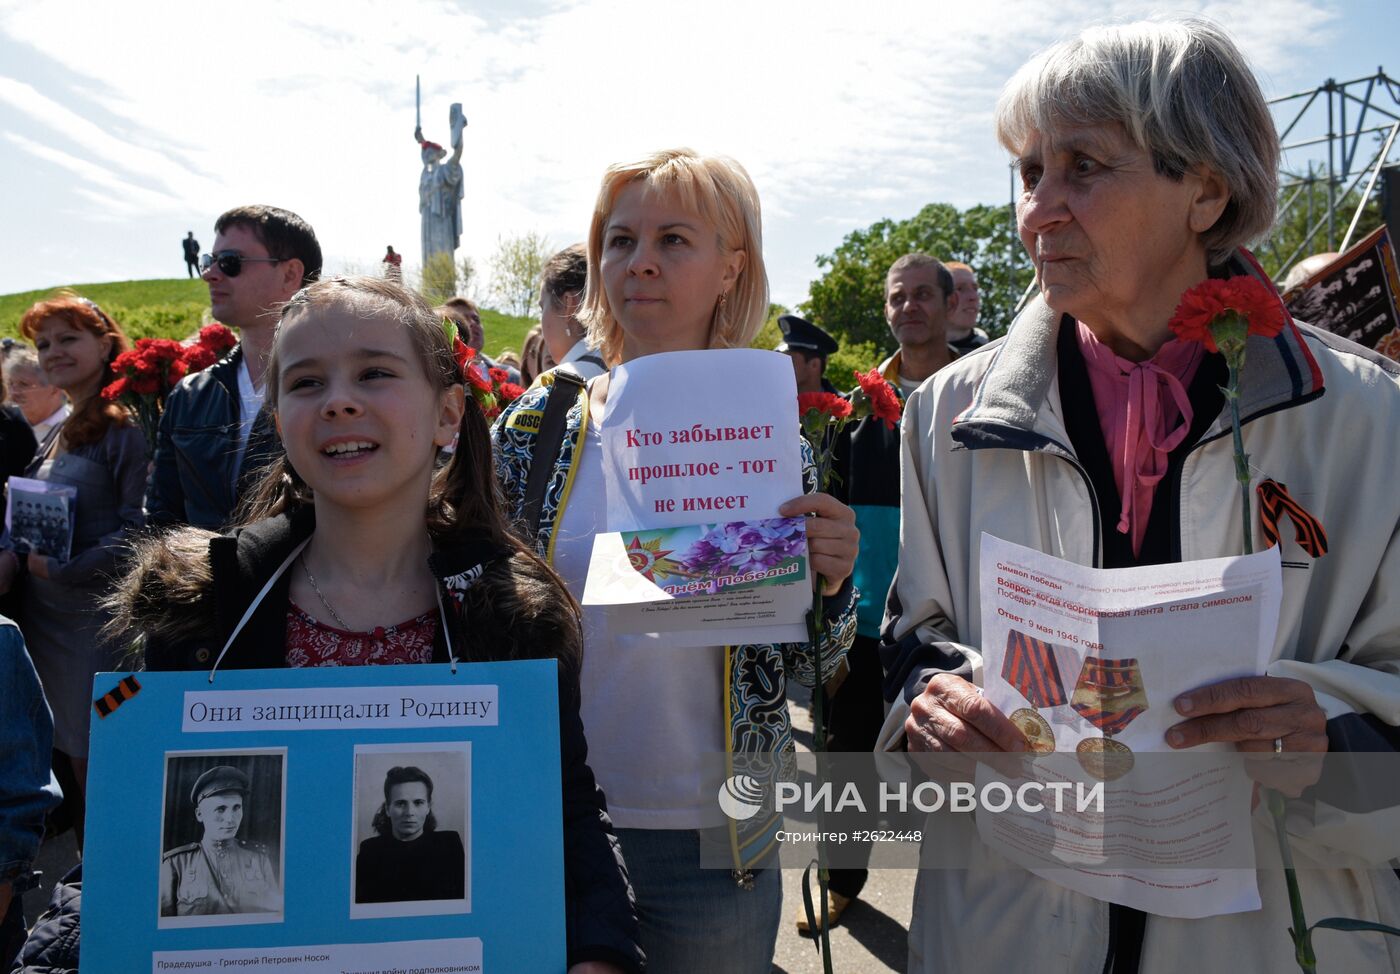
[313, 643]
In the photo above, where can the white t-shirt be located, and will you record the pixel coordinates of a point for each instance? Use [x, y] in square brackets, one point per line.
[41, 428]
[653, 713]
[250, 401]
[585, 361]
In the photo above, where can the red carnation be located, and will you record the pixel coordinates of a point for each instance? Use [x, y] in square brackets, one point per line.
[463, 353]
[115, 390]
[199, 357]
[160, 349]
[826, 403]
[498, 375]
[477, 376]
[145, 385]
[884, 404]
[508, 392]
[178, 370]
[1194, 315]
[126, 360]
[218, 338]
[1211, 310]
[1258, 303]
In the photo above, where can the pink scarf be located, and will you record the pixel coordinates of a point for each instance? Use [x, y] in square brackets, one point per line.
[1144, 413]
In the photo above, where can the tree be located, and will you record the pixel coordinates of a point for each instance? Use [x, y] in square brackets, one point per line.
[839, 368]
[1301, 228]
[442, 279]
[516, 267]
[848, 300]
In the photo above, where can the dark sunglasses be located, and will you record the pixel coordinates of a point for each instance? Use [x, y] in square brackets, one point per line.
[231, 264]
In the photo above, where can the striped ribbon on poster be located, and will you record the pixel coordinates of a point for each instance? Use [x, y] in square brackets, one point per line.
[1030, 667]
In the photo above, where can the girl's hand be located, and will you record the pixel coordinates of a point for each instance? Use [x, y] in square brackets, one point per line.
[832, 538]
[38, 565]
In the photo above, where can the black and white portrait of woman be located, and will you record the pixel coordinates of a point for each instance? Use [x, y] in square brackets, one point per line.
[414, 856]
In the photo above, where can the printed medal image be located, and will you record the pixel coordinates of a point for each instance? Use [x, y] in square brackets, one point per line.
[1104, 758]
[1110, 695]
[1035, 729]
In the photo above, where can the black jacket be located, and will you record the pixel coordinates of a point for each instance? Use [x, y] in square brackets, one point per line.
[17, 443]
[600, 908]
[52, 947]
[193, 475]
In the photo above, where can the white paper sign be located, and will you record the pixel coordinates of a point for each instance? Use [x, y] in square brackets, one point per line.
[700, 449]
[1090, 661]
[695, 437]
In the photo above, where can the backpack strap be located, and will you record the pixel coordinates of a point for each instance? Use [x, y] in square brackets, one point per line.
[547, 443]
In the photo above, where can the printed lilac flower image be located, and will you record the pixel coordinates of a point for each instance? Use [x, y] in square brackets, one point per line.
[745, 546]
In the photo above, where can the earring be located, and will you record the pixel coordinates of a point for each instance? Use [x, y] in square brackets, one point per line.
[724, 296]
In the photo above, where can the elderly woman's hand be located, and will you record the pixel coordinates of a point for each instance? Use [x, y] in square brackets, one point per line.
[832, 537]
[950, 715]
[1252, 712]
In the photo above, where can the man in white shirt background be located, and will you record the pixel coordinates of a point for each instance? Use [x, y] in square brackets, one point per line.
[963, 333]
[214, 436]
[44, 405]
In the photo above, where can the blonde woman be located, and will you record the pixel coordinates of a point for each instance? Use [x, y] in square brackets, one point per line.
[675, 263]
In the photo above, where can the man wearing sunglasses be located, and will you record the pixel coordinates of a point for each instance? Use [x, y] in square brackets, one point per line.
[214, 435]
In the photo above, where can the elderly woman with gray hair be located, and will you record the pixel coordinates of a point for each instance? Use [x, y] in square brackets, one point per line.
[1147, 158]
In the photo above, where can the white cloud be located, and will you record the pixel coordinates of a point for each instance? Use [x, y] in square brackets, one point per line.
[114, 194]
[843, 113]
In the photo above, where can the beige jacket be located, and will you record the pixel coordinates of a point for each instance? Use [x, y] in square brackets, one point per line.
[985, 449]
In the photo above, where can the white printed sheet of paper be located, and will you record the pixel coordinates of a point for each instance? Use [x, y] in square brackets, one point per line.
[1090, 661]
[699, 451]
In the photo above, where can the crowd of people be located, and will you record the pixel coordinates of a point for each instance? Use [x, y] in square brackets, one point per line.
[330, 494]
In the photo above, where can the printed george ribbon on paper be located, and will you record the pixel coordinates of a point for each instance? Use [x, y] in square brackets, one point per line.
[1030, 667]
[1110, 693]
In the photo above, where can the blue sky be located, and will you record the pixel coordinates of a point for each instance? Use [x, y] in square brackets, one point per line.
[124, 125]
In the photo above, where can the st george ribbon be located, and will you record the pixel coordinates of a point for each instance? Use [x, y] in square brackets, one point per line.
[1030, 667]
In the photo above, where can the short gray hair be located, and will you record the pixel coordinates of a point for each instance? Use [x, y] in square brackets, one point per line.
[945, 276]
[22, 358]
[1182, 91]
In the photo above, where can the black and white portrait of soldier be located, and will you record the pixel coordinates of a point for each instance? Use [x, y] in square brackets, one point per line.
[225, 871]
[416, 852]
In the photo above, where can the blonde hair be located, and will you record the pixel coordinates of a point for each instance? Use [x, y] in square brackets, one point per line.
[718, 190]
[1182, 91]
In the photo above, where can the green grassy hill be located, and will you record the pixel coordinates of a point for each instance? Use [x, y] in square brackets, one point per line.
[175, 308]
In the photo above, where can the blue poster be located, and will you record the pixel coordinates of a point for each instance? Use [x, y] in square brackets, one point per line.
[347, 820]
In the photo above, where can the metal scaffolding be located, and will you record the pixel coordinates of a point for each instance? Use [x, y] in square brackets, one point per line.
[1367, 106]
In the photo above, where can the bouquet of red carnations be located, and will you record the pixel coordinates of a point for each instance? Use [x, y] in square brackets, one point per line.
[148, 372]
[490, 387]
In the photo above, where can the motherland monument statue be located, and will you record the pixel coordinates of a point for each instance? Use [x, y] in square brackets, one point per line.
[440, 187]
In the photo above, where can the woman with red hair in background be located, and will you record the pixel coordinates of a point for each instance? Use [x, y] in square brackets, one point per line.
[101, 453]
